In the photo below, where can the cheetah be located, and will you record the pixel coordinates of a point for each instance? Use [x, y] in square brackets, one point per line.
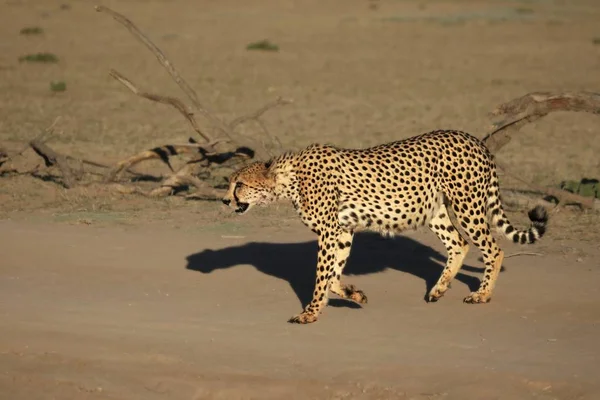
[388, 189]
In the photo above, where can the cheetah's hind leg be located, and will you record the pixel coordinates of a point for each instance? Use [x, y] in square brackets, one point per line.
[456, 246]
[479, 233]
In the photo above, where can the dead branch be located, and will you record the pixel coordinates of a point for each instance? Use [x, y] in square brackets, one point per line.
[52, 158]
[204, 153]
[95, 164]
[531, 107]
[178, 104]
[255, 116]
[128, 189]
[41, 138]
[162, 153]
[168, 65]
[224, 128]
[184, 177]
[162, 59]
[279, 101]
[534, 106]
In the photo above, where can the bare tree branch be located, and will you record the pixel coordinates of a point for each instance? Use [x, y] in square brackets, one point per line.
[162, 153]
[255, 116]
[206, 154]
[203, 155]
[184, 177]
[279, 101]
[162, 59]
[178, 104]
[224, 128]
[533, 106]
[41, 138]
[51, 158]
[168, 65]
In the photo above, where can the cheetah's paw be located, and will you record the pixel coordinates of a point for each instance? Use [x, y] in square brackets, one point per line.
[477, 298]
[303, 318]
[436, 293]
[356, 295]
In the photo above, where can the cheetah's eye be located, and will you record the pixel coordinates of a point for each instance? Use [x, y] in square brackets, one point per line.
[238, 185]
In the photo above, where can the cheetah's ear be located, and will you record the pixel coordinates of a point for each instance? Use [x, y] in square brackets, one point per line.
[268, 173]
[269, 168]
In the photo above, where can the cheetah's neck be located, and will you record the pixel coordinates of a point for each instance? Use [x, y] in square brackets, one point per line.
[286, 182]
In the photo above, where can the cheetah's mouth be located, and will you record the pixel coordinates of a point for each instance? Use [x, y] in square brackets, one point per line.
[242, 208]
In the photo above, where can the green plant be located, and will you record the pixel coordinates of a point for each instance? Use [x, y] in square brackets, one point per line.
[264, 45]
[524, 10]
[58, 86]
[31, 30]
[39, 58]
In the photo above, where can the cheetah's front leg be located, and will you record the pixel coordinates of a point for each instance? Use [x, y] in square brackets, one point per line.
[325, 269]
[345, 291]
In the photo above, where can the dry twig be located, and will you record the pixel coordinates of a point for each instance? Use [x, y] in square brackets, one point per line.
[279, 101]
[255, 116]
[523, 253]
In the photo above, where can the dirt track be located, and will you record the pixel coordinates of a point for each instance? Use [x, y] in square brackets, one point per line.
[132, 313]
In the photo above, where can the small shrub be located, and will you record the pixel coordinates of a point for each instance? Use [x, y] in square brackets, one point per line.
[39, 58]
[264, 45]
[58, 86]
[585, 187]
[524, 10]
[31, 30]
[596, 41]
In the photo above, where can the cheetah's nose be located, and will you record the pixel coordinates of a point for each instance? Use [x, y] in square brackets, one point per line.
[226, 201]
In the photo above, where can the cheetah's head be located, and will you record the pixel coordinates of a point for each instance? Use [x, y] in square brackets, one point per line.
[251, 185]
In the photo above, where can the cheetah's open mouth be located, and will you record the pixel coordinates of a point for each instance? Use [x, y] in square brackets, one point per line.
[242, 208]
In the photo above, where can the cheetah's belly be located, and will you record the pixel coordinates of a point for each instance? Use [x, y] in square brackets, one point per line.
[388, 215]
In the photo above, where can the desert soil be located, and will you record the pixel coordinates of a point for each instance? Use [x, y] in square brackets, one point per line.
[112, 296]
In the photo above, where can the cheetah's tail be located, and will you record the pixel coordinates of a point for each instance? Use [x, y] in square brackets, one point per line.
[538, 217]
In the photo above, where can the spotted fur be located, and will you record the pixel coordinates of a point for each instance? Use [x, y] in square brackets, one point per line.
[388, 189]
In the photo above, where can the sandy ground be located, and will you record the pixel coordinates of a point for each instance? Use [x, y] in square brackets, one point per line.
[104, 295]
[132, 313]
